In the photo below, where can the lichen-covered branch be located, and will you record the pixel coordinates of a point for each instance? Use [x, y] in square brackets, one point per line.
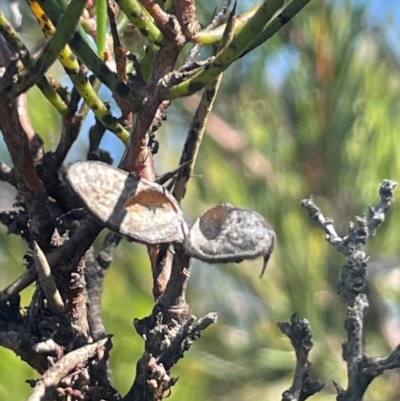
[95, 271]
[361, 370]
[298, 330]
[351, 246]
[46, 386]
[194, 138]
[168, 332]
[31, 188]
[46, 280]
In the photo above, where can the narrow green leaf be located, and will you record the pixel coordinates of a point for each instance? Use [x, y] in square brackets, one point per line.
[101, 14]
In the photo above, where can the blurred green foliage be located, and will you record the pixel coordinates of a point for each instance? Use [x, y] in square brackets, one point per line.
[325, 121]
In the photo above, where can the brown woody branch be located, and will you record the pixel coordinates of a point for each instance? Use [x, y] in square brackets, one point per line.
[300, 335]
[23, 345]
[46, 280]
[361, 369]
[95, 271]
[7, 174]
[23, 281]
[45, 388]
[168, 332]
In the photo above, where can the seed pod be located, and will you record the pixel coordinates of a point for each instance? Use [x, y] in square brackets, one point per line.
[139, 209]
[227, 233]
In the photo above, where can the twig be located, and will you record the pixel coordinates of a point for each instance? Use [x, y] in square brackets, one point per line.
[81, 82]
[198, 124]
[214, 32]
[227, 55]
[377, 213]
[77, 302]
[353, 272]
[172, 302]
[22, 344]
[217, 19]
[169, 331]
[80, 242]
[300, 335]
[353, 352]
[120, 53]
[161, 258]
[71, 127]
[375, 366]
[46, 280]
[31, 188]
[23, 281]
[45, 388]
[106, 254]
[188, 333]
[162, 179]
[167, 23]
[150, 382]
[94, 273]
[77, 245]
[194, 138]
[361, 370]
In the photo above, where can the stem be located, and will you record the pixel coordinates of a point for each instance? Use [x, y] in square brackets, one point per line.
[101, 32]
[141, 20]
[195, 137]
[63, 34]
[80, 80]
[277, 23]
[13, 39]
[82, 48]
[228, 54]
[208, 37]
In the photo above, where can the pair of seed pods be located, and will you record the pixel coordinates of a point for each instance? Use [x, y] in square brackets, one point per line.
[146, 212]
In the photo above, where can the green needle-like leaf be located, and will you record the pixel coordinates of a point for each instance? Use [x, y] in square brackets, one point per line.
[141, 20]
[278, 22]
[63, 34]
[215, 35]
[13, 39]
[228, 54]
[146, 63]
[101, 18]
[81, 46]
[79, 79]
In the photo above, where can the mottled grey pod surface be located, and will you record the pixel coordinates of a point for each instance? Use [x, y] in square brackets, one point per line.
[226, 233]
[139, 209]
